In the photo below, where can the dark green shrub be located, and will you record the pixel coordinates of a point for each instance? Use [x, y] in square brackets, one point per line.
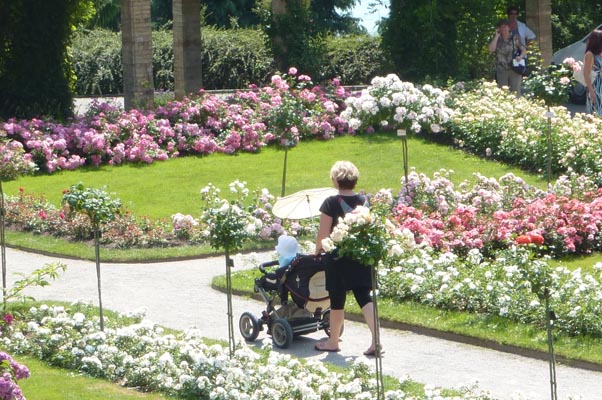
[35, 70]
[295, 41]
[163, 60]
[231, 58]
[97, 62]
[235, 58]
[355, 59]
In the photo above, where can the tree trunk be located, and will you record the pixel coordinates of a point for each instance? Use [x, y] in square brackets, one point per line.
[539, 18]
[137, 53]
[187, 47]
[279, 10]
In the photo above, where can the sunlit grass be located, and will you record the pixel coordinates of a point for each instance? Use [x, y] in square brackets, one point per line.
[162, 189]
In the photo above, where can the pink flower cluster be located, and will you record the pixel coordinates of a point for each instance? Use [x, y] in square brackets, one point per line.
[202, 124]
[10, 372]
[491, 215]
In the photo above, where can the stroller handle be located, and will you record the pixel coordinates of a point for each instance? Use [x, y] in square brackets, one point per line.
[266, 264]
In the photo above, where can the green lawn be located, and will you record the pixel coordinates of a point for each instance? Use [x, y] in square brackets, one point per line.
[49, 383]
[162, 189]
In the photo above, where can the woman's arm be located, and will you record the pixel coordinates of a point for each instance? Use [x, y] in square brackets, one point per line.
[588, 65]
[323, 231]
[493, 43]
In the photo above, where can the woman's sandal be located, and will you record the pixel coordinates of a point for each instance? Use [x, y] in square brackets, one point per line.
[372, 352]
[320, 347]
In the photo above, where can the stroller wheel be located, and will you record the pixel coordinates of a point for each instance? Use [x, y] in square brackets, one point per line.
[282, 333]
[326, 324]
[249, 326]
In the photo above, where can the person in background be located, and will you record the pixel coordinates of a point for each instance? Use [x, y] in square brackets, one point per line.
[593, 62]
[343, 273]
[504, 45]
[519, 28]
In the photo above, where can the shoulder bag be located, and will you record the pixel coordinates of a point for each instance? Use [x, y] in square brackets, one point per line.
[520, 67]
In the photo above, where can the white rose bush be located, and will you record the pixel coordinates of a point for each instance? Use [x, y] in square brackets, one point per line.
[138, 353]
[390, 103]
[229, 223]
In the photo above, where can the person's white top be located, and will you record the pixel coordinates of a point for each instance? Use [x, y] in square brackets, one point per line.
[525, 33]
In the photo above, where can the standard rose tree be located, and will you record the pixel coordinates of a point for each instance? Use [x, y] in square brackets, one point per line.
[100, 209]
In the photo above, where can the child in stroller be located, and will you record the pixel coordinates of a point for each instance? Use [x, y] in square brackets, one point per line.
[303, 278]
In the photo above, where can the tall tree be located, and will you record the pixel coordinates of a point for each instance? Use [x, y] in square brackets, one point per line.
[572, 20]
[35, 71]
[231, 13]
[333, 16]
[107, 15]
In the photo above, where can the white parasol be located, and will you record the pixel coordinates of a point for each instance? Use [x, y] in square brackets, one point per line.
[302, 204]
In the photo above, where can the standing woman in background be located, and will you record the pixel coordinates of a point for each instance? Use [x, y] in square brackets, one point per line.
[505, 45]
[593, 62]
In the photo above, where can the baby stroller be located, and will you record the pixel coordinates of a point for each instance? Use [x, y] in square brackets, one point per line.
[309, 311]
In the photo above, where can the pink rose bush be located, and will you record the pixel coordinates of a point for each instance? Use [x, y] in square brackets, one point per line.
[291, 107]
[491, 215]
[35, 214]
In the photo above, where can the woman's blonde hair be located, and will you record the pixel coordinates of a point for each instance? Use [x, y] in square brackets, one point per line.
[345, 174]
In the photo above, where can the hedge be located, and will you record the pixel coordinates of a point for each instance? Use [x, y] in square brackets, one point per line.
[232, 59]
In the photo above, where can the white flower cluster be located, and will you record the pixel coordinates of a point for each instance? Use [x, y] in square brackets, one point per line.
[390, 103]
[510, 285]
[183, 365]
[359, 216]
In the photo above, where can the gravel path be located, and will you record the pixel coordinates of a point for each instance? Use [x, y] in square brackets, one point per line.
[179, 295]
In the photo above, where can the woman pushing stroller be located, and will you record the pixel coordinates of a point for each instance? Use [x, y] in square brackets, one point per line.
[344, 274]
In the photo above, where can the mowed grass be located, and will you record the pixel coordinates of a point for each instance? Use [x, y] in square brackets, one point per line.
[50, 383]
[162, 189]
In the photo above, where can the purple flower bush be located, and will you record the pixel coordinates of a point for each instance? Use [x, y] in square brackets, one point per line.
[10, 372]
[203, 124]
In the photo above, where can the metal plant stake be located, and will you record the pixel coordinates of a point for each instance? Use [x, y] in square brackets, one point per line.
[378, 359]
[229, 266]
[3, 246]
[549, 115]
[404, 152]
[550, 318]
[284, 171]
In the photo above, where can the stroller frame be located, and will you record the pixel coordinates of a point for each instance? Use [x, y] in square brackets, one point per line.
[284, 319]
